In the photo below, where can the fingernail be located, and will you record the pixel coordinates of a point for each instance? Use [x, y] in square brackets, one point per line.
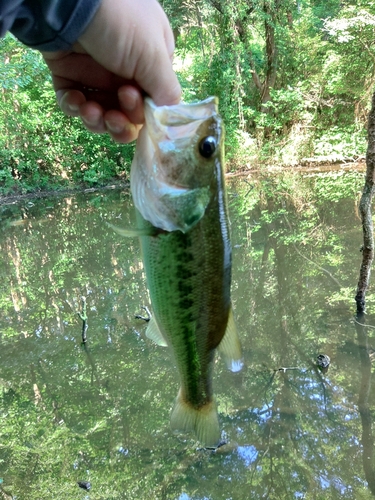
[128, 99]
[114, 127]
[92, 122]
[73, 107]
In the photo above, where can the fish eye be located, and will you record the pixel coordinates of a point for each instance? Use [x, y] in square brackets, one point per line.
[207, 146]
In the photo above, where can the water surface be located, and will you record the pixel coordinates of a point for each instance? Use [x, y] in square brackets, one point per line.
[100, 413]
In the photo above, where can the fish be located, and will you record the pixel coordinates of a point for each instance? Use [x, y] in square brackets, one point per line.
[178, 189]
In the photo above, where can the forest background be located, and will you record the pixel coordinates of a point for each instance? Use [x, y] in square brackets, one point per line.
[294, 81]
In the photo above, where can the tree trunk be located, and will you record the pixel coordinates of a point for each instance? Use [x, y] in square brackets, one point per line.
[365, 211]
[271, 54]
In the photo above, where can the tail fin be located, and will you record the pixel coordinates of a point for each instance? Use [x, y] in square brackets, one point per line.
[202, 421]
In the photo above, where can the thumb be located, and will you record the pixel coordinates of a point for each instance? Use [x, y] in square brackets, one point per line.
[159, 80]
[135, 41]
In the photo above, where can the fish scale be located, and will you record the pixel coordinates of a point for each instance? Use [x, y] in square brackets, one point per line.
[189, 283]
[177, 183]
[187, 294]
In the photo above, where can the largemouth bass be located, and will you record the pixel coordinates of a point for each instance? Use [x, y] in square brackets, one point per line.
[177, 183]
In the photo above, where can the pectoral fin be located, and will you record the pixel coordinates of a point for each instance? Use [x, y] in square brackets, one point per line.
[230, 347]
[185, 208]
[153, 332]
[131, 233]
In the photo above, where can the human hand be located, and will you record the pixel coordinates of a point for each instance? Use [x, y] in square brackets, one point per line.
[126, 51]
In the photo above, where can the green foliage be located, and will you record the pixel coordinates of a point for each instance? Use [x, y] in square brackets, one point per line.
[339, 143]
[39, 146]
[294, 83]
[333, 186]
[304, 95]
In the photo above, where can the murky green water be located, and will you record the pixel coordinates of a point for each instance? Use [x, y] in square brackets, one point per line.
[101, 414]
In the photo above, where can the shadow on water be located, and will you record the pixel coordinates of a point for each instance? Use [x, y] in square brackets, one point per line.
[98, 412]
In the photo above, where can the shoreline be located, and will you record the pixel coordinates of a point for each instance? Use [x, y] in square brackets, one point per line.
[13, 198]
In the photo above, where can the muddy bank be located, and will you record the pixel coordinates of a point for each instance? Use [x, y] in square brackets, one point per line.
[308, 168]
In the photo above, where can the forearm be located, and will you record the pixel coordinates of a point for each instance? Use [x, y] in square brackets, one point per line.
[47, 25]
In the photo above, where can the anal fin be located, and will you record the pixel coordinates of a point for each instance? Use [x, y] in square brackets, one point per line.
[230, 347]
[153, 332]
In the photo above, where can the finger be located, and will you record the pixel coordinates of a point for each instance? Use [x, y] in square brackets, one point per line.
[91, 114]
[70, 94]
[131, 102]
[71, 68]
[96, 120]
[70, 101]
[120, 128]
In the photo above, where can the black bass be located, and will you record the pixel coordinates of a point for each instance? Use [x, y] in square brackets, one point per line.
[177, 183]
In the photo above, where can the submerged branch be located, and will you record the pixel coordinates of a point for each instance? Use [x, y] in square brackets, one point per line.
[83, 316]
[144, 318]
[365, 212]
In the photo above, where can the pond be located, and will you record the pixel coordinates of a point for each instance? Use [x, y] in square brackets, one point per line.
[99, 413]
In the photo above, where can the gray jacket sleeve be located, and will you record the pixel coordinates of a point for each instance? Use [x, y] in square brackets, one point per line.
[47, 25]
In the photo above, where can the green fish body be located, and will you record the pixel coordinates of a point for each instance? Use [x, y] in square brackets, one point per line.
[178, 188]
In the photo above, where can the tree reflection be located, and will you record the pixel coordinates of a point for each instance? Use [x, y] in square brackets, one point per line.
[101, 413]
[364, 409]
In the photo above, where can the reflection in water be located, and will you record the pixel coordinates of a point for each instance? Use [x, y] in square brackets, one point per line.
[249, 454]
[99, 413]
[364, 407]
